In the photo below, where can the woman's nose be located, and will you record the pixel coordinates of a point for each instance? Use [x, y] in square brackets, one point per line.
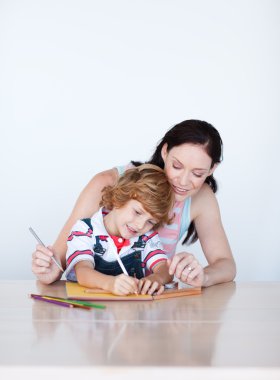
[184, 180]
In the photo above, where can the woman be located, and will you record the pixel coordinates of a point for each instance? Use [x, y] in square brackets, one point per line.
[189, 153]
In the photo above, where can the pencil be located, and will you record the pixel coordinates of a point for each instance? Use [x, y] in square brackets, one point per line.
[74, 303]
[58, 303]
[78, 302]
[122, 266]
[40, 242]
[120, 263]
[61, 300]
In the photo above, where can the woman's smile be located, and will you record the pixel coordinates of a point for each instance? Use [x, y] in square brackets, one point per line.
[179, 190]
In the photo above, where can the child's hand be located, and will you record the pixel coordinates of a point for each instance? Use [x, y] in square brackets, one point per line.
[124, 285]
[150, 285]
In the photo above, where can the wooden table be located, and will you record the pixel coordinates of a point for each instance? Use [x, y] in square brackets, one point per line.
[230, 329]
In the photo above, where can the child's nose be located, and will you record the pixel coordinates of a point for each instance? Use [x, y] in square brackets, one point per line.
[140, 224]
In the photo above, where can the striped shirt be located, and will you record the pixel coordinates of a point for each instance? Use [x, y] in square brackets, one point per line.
[90, 237]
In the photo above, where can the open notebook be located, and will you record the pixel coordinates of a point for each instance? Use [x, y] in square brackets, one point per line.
[78, 292]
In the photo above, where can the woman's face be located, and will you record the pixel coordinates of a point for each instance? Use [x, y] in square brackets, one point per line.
[186, 167]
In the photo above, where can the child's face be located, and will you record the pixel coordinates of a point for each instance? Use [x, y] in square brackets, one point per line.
[132, 220]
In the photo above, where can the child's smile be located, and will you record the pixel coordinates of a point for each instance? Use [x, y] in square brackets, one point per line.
[129, 221]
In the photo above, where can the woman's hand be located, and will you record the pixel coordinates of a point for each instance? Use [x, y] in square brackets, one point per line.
[43, 266]
[150, 285]
[187, 269]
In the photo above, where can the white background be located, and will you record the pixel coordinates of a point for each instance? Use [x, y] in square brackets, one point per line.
[86, 85]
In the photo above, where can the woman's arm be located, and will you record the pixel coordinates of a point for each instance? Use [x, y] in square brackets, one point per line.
[221, 267]
[213, 240]
[86, 205]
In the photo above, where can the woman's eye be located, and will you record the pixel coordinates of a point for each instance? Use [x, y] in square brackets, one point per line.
[176, 167]
[197, 175]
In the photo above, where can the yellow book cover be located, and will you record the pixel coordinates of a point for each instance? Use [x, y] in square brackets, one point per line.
[78, 292]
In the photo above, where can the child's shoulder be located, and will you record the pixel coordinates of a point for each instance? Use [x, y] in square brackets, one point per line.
[152, 234]
[95, 223]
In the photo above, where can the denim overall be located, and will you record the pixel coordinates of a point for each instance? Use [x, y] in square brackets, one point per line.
[132, 263]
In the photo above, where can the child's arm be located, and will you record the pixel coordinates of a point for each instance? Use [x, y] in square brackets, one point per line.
[155, 260]
[155, 282]
[89, 277]
[80, 263]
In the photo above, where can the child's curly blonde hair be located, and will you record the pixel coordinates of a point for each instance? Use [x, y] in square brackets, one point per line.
[147, 184]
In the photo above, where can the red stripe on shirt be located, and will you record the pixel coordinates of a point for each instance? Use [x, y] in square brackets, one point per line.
[80, 233]
[148, 237]
[153, 253]
[157, 261]
[152, 235]
[77, 253]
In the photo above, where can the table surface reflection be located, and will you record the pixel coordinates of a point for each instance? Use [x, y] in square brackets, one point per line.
[228, 325]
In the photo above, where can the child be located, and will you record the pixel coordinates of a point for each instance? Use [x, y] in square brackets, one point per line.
[139, 203]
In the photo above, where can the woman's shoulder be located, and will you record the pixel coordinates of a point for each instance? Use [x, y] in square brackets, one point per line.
[121, 169]
[105, 178]
[108, 177]
[205, 198]
[205, 191]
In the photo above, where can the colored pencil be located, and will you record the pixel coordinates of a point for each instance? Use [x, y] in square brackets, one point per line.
[78, 302]
[40, 242]
[58, 303]
[74, 303]
[90, 304]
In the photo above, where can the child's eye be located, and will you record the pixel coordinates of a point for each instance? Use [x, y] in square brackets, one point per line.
[137, 212]
[152, 222]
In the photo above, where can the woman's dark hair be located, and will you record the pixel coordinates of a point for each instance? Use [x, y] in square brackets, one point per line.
[195, 132]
